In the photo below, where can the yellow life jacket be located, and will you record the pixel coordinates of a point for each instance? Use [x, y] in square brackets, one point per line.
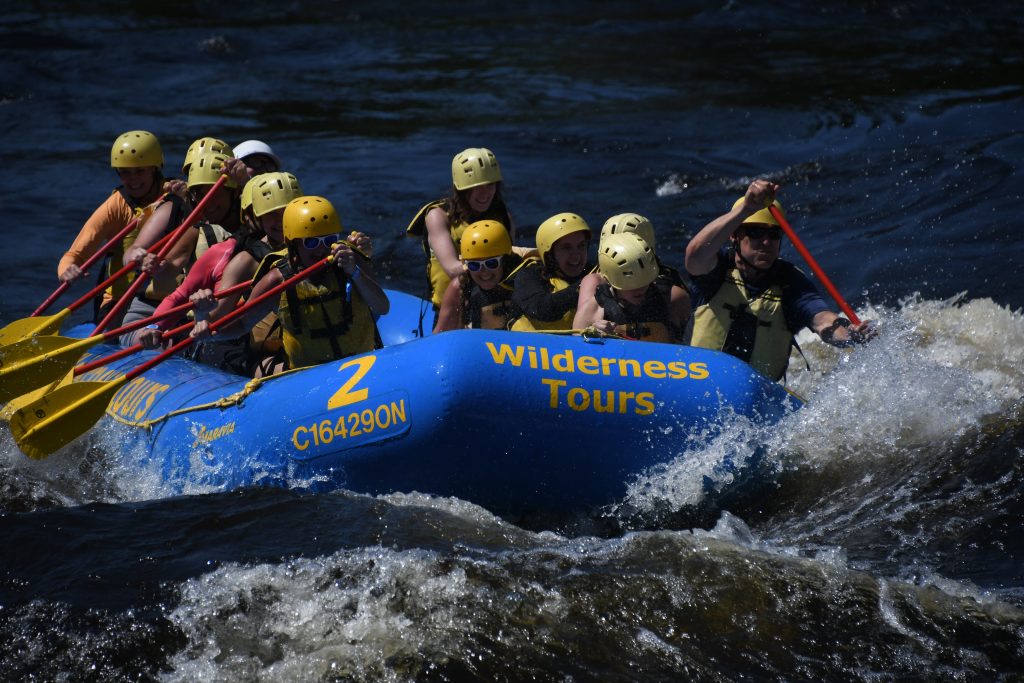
[324, 321]
[557, 284]
[765, 338]
[115, 259]
[437, 276]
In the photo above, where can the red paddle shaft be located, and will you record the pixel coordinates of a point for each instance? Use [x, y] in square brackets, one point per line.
[845, 307]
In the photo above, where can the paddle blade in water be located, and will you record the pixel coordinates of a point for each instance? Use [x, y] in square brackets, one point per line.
[21, 401]
[30, 327]
[58, 418]
[33, 362]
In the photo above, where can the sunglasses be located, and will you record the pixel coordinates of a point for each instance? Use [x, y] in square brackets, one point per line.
[489, 264]
[761, 233]
[260, 162]
[312, 243]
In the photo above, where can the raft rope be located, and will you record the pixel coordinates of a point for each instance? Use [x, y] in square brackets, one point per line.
[223, 402]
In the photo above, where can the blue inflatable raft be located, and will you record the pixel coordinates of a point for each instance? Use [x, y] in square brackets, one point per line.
[515, 422]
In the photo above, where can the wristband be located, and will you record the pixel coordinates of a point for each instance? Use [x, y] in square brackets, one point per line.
[828, 334]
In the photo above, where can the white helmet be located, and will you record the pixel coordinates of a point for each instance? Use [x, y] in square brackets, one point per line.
[250, 147]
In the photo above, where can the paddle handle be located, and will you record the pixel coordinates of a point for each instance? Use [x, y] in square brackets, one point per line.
[169, 334]
[175, 236]
[845, 307]
[128, 350]
[171, 312]
[232, 316]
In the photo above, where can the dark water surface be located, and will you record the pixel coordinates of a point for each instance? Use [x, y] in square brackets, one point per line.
[888, 548]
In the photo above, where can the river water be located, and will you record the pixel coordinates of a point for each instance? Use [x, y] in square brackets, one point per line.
[889, 546]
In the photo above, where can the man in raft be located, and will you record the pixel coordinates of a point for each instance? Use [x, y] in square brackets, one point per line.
[749, 302]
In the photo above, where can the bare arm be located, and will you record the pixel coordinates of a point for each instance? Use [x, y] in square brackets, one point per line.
[679, 309]
[702, 251]
[440, 239]
[588, 311]
[450, 316]
[251, 317]
[152, 230]
[360, 273]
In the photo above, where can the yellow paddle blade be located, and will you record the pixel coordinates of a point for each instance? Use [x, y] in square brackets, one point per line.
[55, 420]
[33, 362]
[21, 401]
[30, 327]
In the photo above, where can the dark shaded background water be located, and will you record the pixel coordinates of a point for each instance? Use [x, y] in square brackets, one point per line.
[890, 547]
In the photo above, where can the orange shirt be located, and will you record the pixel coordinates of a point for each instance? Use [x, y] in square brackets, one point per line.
[105, 222]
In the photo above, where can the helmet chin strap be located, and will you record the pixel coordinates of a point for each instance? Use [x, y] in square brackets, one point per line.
[739, 254]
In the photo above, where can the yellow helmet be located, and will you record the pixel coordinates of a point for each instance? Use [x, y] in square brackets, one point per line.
[764, 215]
[310, 217]
[557, 227]
[202, 146]
[627, 261]
[629, 222]
[245, 200]
[485, 239]
[206, 170]
[475, 166]
[273, 191]
[136, 149]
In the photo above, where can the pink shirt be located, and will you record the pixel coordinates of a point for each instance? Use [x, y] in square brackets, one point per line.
[205, 273]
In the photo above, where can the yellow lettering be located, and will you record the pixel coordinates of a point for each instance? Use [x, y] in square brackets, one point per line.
[677, 370]
[385, 422]
[133, 403]
[398, 410]
[345, 396]
[588, 365]
[644, 403]
[504, 352]
[150, 398]
[699, 370]
[578, 399]
[624, 397]
[300, 445]
[633, 365]
[563, 362]
[544, 359]
[608, 406]
[606, 365]
[654, 369]
[554, 384]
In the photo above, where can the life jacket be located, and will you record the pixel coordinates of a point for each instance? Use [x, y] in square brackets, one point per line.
[209, 235]
[555, 284]
[491, 309]
[114, 258]
[265, 336]
[648, 321]
[437, 277]
[753, 330]
[324, 322]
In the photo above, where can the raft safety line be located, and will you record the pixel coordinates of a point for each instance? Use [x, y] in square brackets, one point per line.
[224, 402]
